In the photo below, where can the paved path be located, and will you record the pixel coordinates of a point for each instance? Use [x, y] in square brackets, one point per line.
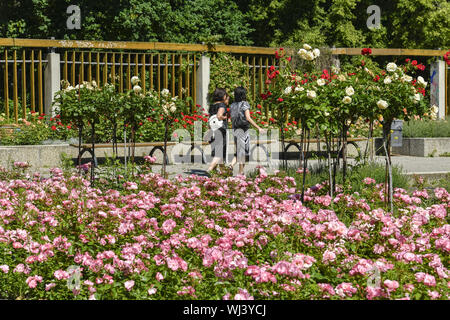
[430, 167]
[411, 165]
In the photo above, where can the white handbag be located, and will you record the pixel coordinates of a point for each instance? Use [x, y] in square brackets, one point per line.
[215, 123]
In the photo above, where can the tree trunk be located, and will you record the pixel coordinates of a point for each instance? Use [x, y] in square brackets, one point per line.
[93, 154]
[305, 164]
[330, 181]
[80, 131]
[165, 149]
[133, 147]
[369, 141]
[283, 145]
[387, 146]
[344, 152]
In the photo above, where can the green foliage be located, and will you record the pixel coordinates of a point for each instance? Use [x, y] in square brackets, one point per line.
[186, 21]
[227, 72]
[319, 174]
[426, 128]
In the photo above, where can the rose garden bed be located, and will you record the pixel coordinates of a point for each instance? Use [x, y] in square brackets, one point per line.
[218, 238]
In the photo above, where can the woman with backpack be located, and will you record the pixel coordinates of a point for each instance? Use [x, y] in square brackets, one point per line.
[218, 125]
[241, 121]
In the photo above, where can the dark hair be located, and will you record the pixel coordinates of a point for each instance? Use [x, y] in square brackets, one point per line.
[240, 94]
[218, 94]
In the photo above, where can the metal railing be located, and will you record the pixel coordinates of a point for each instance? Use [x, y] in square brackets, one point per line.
[159, 65]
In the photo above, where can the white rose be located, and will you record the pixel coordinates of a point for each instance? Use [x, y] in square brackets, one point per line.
[134, 80]
[416, 97]
[288, 90]
[421, 81]
[307, 46]
[70, 88]
[349, 91]
[382, 104]
[166, 109]
[391, 67]
[297, 89]
[173, 108]
[342, 77]
[434, 109]
[316, 52]
[321, 82]
[395, 76]
[347, 100]
[326, 114]
[311, 94]
[406, 78]
[93, 83]
[137, 89]
[387, 80]
[308, 56]
[165, 92]
[302, 53]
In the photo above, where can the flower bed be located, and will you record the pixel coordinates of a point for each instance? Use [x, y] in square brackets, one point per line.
[233, 238]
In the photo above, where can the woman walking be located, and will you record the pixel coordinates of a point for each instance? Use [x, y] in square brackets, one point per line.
[241, 121]
[218, 125]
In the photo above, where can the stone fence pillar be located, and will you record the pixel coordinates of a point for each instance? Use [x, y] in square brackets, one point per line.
[203, 73]
[437, 87]
[52, 76]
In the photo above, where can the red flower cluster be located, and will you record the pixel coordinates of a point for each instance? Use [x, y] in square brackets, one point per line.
[272, 73]
[278, 56]
[366, 51]
[446, 57]
[265, 96]
[416, 65]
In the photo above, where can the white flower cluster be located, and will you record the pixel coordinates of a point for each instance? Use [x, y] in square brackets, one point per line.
[307, 53]
[434, 112]
[136, 88]
[382, 104]
[169, 106]
[349, 91]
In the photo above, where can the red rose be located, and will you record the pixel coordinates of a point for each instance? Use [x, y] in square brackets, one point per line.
[289, 59]
[69, 127]
[280, 99]
[408, 60]
[53, 128]
[414, 62]
[376, 78]
[366, 51]
[259, 106]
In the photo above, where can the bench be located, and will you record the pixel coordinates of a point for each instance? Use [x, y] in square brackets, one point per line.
[86, 147]
[296, 143]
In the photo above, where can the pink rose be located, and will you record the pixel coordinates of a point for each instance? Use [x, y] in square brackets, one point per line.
[129, 284]
[391, 285]
[159, 276]
[4, 268]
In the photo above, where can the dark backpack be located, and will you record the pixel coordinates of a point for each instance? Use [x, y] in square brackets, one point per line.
[238, 119]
